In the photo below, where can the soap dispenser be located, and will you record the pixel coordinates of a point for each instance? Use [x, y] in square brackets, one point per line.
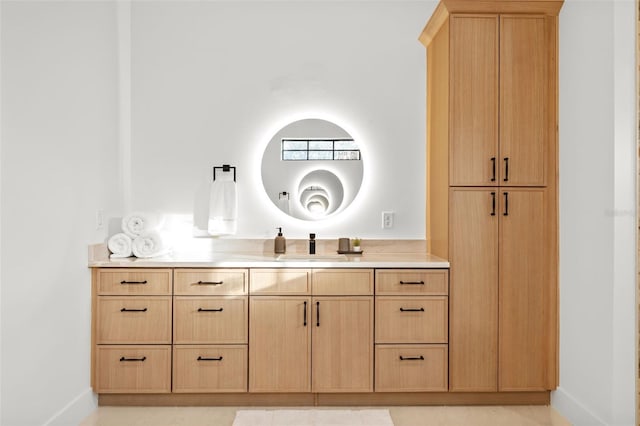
[280, 243]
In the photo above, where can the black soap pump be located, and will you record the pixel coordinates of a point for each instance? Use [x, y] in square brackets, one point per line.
[280, 243]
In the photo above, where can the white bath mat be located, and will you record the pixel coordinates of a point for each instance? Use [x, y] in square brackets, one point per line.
[312, 418]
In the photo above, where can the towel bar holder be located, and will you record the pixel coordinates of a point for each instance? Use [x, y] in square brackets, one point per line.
[224, 168]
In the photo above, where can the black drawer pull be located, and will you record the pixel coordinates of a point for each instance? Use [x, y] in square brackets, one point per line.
[202, 358]
[133, 310]
[493, 169]
[210, 310]
[412, 282]
[132, 282]
[210, 282]
[123, 359]
[317, 314]
[493, 204]
[506, 204]
[506, 169]
[411, 309]
[411, 358]
[305, 314]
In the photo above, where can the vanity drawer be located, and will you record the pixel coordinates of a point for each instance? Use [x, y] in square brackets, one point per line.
[210, 281]
[411, 319]
[424, 282]
[220, 319]
[280, 281]
[210, 368]
[133, 369]
[133, 319]
[411, 368]
[139, 281]
[338, 282]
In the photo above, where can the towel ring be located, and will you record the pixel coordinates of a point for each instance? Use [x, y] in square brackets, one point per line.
[225, 168]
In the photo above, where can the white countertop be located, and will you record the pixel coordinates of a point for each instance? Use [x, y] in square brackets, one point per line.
[259, 260]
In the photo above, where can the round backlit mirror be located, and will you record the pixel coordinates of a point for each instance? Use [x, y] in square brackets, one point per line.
[312, 169]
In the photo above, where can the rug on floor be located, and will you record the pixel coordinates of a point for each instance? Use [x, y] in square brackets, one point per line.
[313, 418]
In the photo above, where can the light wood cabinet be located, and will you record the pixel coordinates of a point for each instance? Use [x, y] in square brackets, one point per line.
[502, 343]
[221, 319]
[411, 330]
[499, 95]
[210, 282]
[311, 344]
[492, 124]
[133, 369]
[208, 368]
[134, 319]
[280, 344]
[342, 344]
[411, 368]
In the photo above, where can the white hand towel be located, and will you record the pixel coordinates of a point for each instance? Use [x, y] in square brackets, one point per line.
[223, 206]
[150, 244]
[135, 224]
[120, 245]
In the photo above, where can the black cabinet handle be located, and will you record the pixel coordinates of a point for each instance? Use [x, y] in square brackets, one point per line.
[493, 204]
[124, 359]
[411, 309]
[210, 310]
[412, 282]
[411, 358]
[506, 169]
[133, 310]
[493, 169]
[123, 282]
[305, 314]
[201, 358]
[317, 314]
[506, 204]
[210, 282]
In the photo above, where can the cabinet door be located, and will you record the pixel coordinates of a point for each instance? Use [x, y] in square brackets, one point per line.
[473, 315]
[473, 83]
[342, 344]
[524, 294]
[523, 100]
[279, 344]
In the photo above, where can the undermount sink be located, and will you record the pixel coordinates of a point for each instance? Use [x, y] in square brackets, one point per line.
[313, 257]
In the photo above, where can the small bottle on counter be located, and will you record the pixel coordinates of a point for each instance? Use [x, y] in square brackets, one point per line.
[312, 243]
[280, 243]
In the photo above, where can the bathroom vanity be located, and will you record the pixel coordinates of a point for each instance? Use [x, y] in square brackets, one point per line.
[253, 330]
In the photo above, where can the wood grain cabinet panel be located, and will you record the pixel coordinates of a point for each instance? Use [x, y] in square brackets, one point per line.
[134, 282]
[280, 281]
[206, 368]
[419, 282]
[220, 319]
[133, 319]
[211, 282]
[411, 368]
[474, 66]
[342, 344]
[422, 319]
[336, 282]
[473, 345]
[133, 369]
[280, 344]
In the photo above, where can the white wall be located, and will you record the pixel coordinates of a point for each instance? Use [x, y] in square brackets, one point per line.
[597, 212]
[59, 132]
[212, 82]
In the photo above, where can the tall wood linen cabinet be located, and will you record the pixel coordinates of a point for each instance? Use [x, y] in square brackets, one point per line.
[492, 175]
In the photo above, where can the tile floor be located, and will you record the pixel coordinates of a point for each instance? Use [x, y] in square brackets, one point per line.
[402, 416]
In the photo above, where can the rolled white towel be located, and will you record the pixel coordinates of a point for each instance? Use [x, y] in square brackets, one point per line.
[150, 244]
[120, 245]
[136, 223]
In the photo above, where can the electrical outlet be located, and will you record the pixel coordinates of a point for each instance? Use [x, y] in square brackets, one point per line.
[99, 219]
[387, 220]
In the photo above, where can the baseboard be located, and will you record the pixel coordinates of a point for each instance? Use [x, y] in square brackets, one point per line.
[75, 411]
[573, 410]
